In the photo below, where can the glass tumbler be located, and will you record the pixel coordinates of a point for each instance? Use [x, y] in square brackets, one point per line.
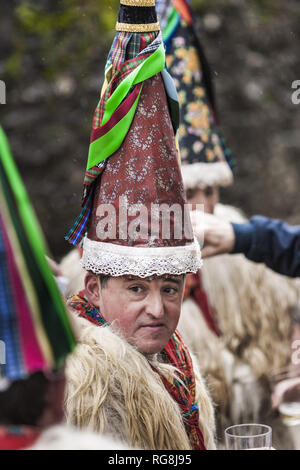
[248, 437]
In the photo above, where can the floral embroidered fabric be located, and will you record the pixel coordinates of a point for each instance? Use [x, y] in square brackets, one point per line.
[200, 140]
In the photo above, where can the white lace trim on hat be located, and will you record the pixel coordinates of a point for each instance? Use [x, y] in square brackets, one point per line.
[200, 175]
[116, 260]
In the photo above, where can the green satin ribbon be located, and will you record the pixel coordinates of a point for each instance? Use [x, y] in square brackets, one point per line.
[171, 25]
[33, 231]
[109, 143]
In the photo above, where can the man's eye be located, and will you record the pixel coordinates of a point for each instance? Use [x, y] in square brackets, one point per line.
[209, 192]
[190, 193]
[171, 290]
[136, 289]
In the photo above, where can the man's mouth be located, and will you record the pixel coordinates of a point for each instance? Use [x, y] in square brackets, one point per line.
[153, 326]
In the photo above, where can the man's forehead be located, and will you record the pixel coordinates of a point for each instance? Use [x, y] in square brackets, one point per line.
[164, 277]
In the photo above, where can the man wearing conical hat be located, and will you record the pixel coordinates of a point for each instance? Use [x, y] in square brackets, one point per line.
[232, 305]
[132, 374]
[206, 160]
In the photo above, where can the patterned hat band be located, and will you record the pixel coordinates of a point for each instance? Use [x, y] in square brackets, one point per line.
[138, 3]
[138, 28]
[137, 17]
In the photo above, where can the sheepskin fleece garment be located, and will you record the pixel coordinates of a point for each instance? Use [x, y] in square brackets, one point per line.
[112, 389]
[64, 437]
[253, 306]
[234, 388]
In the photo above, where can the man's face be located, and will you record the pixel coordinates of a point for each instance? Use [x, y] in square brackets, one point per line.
[145, 311]
[208, 196]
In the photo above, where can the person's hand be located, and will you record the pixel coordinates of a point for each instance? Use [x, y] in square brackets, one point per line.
[288, 389]
[218, 234]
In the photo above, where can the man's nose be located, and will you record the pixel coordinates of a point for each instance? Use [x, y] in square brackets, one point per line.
[155, 305]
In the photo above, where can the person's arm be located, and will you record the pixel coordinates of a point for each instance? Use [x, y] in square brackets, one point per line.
[262, 240]
[269, 241]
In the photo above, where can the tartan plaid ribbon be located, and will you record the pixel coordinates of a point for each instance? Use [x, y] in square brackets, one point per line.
[183, 391]
[34, 325]
[133, 58]
[121, 96]
[79, 227]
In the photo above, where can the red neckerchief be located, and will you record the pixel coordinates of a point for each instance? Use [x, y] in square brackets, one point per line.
[194, 289]
[17, 437]
[176, 354]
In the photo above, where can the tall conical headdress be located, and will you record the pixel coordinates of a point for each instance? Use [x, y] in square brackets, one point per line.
[35, 334]
[206, 160]
[133, 163]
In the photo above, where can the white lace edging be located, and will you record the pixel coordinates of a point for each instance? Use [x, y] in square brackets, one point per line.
[200, 175]
[116, 260]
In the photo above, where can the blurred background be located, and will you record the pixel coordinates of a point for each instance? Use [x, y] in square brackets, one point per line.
[52, 56]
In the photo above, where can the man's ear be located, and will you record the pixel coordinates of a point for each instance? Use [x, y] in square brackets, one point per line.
[92, 289]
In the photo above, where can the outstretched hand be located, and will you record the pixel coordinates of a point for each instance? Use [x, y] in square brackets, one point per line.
[218, 234]
[286, 390]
